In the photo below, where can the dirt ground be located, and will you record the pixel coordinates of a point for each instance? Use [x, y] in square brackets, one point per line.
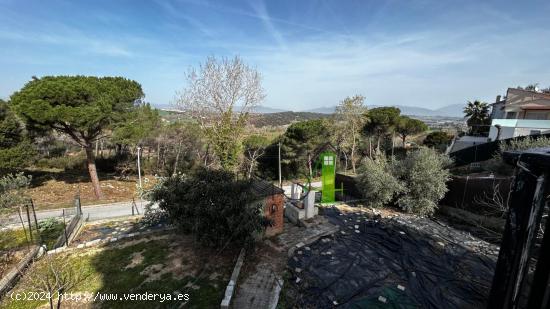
[57, 192]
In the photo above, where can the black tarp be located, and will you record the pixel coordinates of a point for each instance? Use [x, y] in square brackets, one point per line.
[402, 262]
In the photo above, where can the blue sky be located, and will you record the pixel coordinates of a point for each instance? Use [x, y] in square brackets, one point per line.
[310, 53]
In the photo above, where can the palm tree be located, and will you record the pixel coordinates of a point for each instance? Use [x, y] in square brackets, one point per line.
[478, 117]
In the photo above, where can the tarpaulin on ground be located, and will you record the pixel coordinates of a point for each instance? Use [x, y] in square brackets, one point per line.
[402, 262]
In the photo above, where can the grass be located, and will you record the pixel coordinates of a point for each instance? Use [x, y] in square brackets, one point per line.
[17, 238]
[115, 270]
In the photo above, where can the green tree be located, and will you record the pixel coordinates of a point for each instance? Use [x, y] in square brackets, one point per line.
[13, 189]
[377, 182]
[407, 126]
[16, 150]
[424, 174]
[479, 120]
[220, 96]
[81, 107]
[298, 144]
[438, 139]
[381, 122]
[142, 124]
[350, 116]
[212, 205]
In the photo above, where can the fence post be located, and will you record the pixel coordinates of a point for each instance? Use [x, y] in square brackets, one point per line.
[77, 205]
[527, 201]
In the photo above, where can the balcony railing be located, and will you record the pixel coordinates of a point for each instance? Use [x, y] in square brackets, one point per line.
[522, 123]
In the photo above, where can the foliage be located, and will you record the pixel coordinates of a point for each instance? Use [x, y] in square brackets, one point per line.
[81, 107]
[297, 146]
[381, 121]
[350, 116]
[141, 124]
[12, 190]
[254, 148]
[16, 150]
[497, 164]
[220, 97]
[424, 173]
[525, 143]
[438, 139]
[212, 205]
[283, 118]
[73, 162]
[377, 182]
[478, 117]
[408, 126]
[416, 183]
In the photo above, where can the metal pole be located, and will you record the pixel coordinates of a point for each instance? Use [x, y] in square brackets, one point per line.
[29, 220]
[23, 224]
[36, 221]
[280, 179]
[139, 165]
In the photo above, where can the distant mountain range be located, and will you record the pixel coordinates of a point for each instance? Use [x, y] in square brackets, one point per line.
[454, 110]
[258, 110]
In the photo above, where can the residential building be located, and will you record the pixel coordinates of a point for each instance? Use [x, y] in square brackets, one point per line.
[520, 113]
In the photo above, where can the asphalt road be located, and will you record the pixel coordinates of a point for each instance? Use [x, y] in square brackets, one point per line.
[93, 212]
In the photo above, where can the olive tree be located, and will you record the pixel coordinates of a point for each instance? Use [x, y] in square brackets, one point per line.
[220, 95]
[81, 107]
[424, 173]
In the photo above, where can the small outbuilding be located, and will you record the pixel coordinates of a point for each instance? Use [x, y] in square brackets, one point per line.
[272, 199]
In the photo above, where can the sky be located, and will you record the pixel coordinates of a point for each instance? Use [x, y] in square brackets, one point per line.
[310, 53]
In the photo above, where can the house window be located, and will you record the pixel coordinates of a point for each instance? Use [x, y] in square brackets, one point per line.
[536, 115]
[329, 160]
[511, 115]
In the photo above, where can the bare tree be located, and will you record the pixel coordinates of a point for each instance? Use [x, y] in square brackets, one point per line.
[220, 95]
[351, 116]
[493, 201]
[55, 276]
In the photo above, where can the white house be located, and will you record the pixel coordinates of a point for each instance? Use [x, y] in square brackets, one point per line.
[522, 112]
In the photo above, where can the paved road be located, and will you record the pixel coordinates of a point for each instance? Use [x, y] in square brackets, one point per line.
[93, 212]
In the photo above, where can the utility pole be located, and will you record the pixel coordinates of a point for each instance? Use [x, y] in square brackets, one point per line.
[139, 165]
[280, 180]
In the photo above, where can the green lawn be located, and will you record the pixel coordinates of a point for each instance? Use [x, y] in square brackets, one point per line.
[157, 266]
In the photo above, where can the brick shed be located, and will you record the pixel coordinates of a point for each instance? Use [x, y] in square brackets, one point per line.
[272, 200]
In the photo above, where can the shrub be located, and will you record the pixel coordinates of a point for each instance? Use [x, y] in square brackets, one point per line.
[438, 140]
[212, 205]
[77, 162]
[424, 174]
[497, 164]
[12, 190]
[377, 182]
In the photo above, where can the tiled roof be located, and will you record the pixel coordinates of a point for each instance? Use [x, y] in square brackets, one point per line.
[263, 188]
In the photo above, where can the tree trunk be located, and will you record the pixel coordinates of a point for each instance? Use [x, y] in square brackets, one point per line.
[370, 147]
[352, 157]
[309, 166]
[404, 137]
[177, 159]
[90, 160]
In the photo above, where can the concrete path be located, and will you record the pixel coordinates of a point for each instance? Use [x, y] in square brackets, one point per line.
[93, 212]
[261, 282]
